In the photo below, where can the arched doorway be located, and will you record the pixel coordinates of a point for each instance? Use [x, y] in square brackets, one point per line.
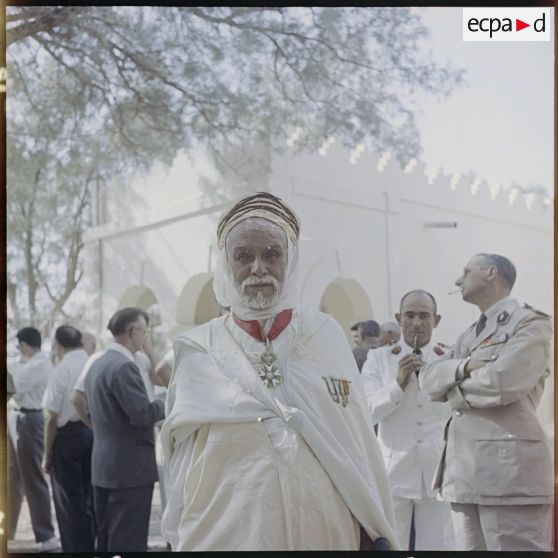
[138, 296]
[196, 303]
[347, 302]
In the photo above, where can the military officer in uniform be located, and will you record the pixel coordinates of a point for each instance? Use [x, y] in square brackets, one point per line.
[411, 427]
[496, 467]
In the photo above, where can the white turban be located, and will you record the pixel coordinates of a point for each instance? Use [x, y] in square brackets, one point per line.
[270, 212]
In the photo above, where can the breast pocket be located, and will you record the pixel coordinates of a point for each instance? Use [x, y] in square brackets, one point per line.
[488, 353]
[513, 467]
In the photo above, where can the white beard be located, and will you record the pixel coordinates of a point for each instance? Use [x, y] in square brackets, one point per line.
[258, 301]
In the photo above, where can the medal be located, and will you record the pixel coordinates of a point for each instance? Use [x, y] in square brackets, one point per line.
[269, 373]
[331, 388]
[338, 389]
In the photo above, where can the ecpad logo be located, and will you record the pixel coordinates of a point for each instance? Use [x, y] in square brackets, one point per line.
[507, 24]
[494, 24]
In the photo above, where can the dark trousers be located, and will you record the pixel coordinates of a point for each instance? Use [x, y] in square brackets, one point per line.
[122, 518]
[29, 452]
[15, 486]
[71, 487]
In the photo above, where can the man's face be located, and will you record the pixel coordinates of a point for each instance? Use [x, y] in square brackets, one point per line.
[473, 280]
[137, 331]
[356, 337]
[417, 319]
[257, 253]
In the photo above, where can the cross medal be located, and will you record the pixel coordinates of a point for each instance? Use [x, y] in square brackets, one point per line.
[269, 373]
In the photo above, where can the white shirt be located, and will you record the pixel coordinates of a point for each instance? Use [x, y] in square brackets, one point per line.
[411, 427]
[61, 386]
[81, 379]
[144, 364]
[31, 380]
[13, 365]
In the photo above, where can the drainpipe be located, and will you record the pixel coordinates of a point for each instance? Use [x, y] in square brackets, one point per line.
[101, 286]
[388, 252]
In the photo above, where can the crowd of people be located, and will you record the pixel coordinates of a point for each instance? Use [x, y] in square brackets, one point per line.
[87, 423]
[275, 436]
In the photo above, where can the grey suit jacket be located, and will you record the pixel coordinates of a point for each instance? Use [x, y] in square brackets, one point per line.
[495, 449]
[123, 419]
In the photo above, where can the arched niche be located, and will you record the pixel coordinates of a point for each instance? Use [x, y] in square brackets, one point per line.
[347, 302]
[138, 296]
[196, 303]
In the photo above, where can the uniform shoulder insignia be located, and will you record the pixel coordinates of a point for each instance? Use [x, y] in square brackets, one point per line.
[540, 312]
[440, 349]
[396, 350]
[503, 317]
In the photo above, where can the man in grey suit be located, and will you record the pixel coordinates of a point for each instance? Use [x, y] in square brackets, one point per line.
[496, 467]
[124, 468]
[368, 338]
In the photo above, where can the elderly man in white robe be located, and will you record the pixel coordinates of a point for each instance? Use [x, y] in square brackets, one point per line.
[268, 440]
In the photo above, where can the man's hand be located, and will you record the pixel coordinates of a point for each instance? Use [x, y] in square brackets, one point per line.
[47, 464]
[471, 365]
[407, 365]
[147, 345]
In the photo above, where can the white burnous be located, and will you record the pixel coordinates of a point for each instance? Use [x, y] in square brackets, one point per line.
[259, 456]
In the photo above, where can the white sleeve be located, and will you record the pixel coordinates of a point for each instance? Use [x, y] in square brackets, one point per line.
[522, 363]
[80, 384]
[382, 398]
[56, 388]
[175, 478]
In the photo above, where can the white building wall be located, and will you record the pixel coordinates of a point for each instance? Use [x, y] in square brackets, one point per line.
[378, 221]
[365, 221]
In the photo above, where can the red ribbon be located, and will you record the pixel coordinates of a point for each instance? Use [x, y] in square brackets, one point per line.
[252, 327]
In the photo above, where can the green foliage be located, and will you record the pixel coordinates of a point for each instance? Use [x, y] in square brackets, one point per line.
[99, 91]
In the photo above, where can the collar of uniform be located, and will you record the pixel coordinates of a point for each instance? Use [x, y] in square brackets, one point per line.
[407, 349]
[118, 347]
[497, 307]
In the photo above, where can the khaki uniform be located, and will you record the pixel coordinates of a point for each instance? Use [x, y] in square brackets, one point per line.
[496, 453]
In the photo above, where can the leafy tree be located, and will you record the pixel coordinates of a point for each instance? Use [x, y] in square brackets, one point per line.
[99, 91]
